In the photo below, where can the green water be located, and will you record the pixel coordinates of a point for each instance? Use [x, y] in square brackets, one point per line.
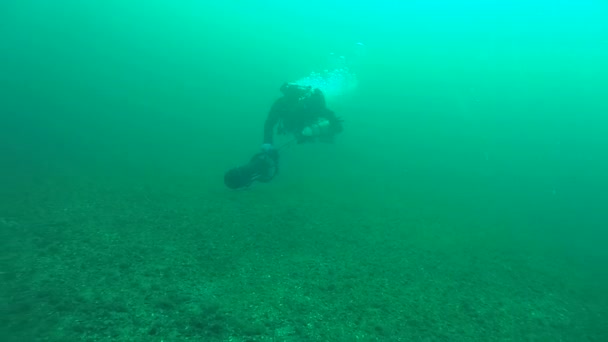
[466, 199]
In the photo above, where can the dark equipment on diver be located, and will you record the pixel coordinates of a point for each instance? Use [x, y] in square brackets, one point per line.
[262, 167]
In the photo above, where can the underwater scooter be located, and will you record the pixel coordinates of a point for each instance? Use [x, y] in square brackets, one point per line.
[264, 166]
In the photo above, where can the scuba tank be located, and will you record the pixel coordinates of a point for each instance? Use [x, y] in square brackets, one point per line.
[321, 128]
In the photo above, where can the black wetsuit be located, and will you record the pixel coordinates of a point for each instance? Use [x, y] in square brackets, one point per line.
[298, 108]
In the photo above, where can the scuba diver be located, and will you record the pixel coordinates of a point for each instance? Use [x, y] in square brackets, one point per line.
[301, 112]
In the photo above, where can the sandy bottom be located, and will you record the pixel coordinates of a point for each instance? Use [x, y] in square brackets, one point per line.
[86, 261]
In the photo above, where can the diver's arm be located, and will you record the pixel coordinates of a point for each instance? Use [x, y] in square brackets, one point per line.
[269, 129]
[273, 118]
